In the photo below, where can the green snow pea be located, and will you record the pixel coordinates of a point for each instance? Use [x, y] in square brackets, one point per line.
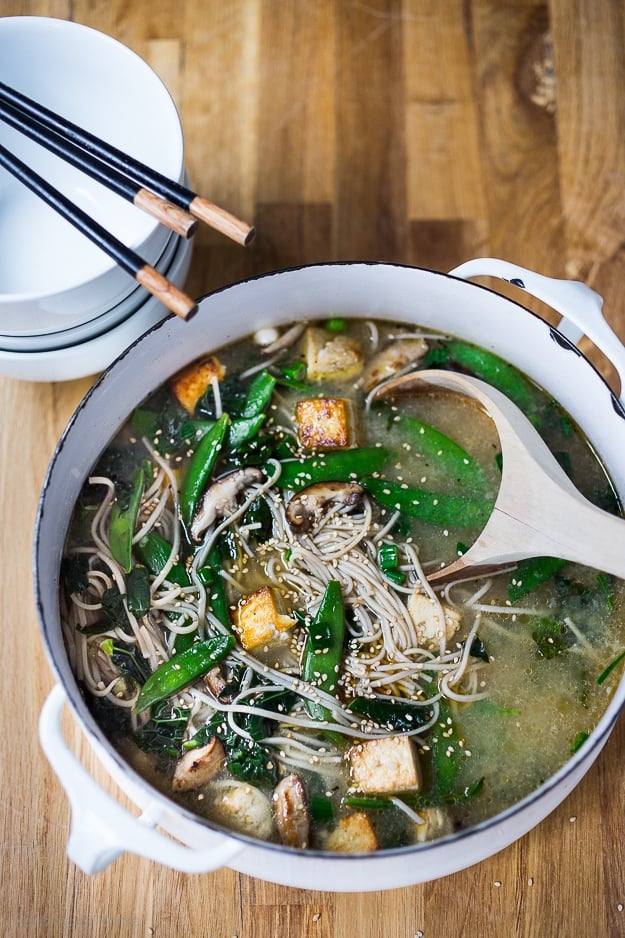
[436, 446]
[258, 395]
[341, 466]
[184, 668]
[323, 649]
[495, 371]
[532, 573]
[123, 521]
[435, 507]
[201, 466]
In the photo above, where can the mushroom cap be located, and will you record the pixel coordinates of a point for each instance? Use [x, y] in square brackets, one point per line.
[308, 505]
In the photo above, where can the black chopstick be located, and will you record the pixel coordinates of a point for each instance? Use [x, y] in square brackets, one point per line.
[158, 285]
[144, 176]
[165, 212]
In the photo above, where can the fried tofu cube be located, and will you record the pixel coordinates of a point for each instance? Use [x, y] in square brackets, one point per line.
[259, 620]
[426, 615]
[189, 385]
[384, 765]
[352, 834]
[332, 357]
[323, 423]
[195, 768]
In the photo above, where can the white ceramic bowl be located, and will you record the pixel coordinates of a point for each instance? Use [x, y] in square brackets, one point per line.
[101, 828]
[51, 276]
[94, 351]
[83, 331]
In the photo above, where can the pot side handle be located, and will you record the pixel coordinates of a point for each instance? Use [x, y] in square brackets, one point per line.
[101, 829]
[579, 305]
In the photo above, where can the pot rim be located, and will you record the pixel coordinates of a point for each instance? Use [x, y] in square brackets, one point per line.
[587, 751]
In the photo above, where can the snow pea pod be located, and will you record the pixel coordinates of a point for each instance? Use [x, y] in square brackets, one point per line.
[436, 446]
[201, 466]
[173, 675]
[123, 521]
[343, 466]
[258, 395]
[495, 371]
[244, 429]
[435, 507]
[323, 649]
[532, 573]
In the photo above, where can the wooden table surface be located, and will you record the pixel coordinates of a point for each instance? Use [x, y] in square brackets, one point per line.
[418, 131]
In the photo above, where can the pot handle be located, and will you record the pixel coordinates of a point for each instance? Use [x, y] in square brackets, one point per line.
[580, 306]
[101, 829]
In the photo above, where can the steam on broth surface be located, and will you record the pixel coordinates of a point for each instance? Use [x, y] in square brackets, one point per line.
[245, 598]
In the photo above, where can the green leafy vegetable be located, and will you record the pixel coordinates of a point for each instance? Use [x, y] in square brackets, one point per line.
[395, 715]
[74, 571]
[552, 637]
[138, 590]
[164, 732]
[532, 573]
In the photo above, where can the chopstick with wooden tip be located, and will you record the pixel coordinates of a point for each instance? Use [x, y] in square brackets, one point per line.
[144, 176]
[168, 214]
[158, 285]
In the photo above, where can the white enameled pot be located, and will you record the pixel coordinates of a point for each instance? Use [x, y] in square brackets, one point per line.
[101, 829]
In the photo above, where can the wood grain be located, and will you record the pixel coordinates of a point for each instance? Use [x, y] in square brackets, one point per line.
[416, 131]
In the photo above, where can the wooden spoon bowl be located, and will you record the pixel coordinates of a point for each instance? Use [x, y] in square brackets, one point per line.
[538, 511]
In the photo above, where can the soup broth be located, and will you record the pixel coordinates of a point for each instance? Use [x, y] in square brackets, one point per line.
[245, 598]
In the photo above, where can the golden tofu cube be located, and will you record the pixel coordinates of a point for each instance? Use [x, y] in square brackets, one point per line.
[323, 423]
[189, 385]
[384, 765]
[353, 834]
[332, 357]
[258, 619]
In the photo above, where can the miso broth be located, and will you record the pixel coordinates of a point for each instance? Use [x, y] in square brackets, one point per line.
[245, 598]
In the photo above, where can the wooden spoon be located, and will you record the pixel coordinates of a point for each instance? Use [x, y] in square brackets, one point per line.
[538, 511]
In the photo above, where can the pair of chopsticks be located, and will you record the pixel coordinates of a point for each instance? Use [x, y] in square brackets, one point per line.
[173, 204]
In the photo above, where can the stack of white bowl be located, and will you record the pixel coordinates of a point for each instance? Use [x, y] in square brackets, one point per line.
[66, 309]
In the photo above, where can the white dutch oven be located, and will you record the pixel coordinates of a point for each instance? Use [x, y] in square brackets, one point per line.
[101, 829]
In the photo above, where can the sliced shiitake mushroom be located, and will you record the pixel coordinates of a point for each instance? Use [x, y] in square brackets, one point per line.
[308, 505]
[221, 497]
[291, 812]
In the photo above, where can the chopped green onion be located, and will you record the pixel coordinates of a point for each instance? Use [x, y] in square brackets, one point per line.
[610, 668]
